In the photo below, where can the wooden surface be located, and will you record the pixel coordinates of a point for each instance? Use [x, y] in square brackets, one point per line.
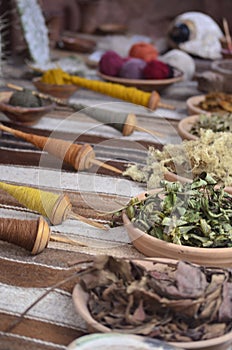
[52, 323]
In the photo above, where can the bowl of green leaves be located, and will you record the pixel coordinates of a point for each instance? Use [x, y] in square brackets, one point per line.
[191, 221]
[189, 128]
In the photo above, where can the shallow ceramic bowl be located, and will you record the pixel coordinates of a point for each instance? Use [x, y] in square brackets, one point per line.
[227, 54]
[24, 115]
[154, 247]
[117, 341]
[184, 126]
[77, 44]
[192, 105]
[146, 84]
[80, 299]
[112, 28]
[223, 66]
[60, 91]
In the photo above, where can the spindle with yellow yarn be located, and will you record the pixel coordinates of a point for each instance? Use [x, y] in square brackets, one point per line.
[81, 157]
[129, 94]
[56, 207]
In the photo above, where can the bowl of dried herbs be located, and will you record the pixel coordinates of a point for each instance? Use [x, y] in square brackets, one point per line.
[189, 128]
[181, 304]
[190, 221]
[211, 152]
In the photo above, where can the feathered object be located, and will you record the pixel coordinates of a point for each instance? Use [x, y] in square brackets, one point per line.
[34, 29]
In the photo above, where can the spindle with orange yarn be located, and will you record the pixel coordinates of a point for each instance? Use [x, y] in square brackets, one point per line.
[81, 157]
[56, 207]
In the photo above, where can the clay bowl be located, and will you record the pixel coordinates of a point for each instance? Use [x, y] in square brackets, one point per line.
[77, 44]
[112, 28]
[24, 115]
[192, 105]
[223, 67]
[60, 91]
[184, 126]
[80, 299]
[226, 53]
[154, 247]
[117, 341]
[145, 84]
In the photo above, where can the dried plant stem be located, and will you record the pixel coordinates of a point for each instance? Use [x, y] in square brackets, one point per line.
[60, 283]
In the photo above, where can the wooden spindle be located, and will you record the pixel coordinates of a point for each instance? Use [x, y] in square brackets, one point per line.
[32, 235]
[81, 157]
[56, 207]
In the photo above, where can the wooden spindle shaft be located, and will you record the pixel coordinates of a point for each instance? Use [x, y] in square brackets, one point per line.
[32, 235]
[227, 34]
[62, 211]
[39, 94]
[154, 102]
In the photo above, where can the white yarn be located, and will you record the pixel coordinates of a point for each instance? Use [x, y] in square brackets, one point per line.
[180, 60]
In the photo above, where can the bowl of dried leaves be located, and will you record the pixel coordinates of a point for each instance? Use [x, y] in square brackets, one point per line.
[191, 221]
[213, 102]
[183, 304]
[189, 128]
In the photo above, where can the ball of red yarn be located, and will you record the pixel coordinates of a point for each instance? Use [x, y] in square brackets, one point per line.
[110, 63]
[157, 70]
[145, 51]
[132, 69]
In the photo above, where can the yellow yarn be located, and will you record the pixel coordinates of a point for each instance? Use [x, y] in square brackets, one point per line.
[130, 94]
[41, 201]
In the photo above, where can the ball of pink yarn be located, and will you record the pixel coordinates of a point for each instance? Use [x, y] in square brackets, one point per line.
[110, 63]
[157, 70]
[132, 69]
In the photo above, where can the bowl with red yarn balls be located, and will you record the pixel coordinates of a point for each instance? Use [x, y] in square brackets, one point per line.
[142, 70]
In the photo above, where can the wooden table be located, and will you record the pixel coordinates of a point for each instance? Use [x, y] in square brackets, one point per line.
[52, 323]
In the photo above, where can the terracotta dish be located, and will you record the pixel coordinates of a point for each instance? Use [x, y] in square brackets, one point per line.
[25, 115]
[146, 84]
[112, 28]
[185, 125]
[77, 44]
[117, 341]
[192, 105]
[60, 91]
[80, 299]
[154, 247]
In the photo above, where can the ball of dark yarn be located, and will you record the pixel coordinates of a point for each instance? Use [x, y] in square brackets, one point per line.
[132, 69]
[157, 70]
[110, 63]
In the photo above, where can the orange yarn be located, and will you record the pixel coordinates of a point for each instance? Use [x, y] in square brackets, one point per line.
[145, 51]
